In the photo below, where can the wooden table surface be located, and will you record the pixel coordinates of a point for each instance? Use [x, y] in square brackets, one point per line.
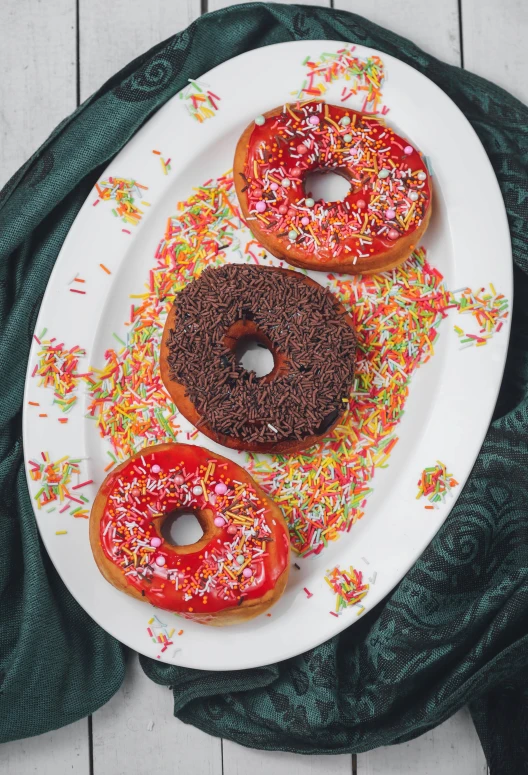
[55, 53]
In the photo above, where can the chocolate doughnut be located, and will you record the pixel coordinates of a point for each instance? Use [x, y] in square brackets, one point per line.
[308, 332]
[378, 223]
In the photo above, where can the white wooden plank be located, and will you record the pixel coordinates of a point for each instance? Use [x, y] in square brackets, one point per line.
[431, 25]
[452, 748]
[136, 732]
[215, 5]
[37, 86]
[112, 34]
[495, 42]
[64, 751]
[246, 761]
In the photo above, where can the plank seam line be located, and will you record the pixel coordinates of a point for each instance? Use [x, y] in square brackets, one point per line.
[461, 33]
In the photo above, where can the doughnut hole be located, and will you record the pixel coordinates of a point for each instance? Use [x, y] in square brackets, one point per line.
[244, 339]
[254, 356]
[188, 529]
[327, 185]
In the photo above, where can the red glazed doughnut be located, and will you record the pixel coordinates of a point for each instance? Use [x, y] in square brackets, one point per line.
[374, 228]
[235, 571]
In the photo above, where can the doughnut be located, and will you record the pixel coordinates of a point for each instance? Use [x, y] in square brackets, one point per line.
[234, 572]
[373, 229]
[308, 332]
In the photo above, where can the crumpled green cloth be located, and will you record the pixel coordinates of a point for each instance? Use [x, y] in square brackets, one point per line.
[454, 631]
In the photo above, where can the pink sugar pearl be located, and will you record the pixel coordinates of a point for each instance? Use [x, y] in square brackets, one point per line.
[283, 209]
[178, 480]
[231, 530]
[160, 561]
[361, 204]
[221, 488]
[247, 573]
[155, 541]
[314, 120]
[393, 234]
[305, 221]
[408, 149]
[219, 521]
[296, 172]
[155, 469]
[257, 192]
[274, 186]
[135, 491]
[291, 212]
[260, 207]
[302, 149]
[390, 214]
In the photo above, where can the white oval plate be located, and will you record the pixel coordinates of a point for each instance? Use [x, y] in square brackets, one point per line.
[451, 398]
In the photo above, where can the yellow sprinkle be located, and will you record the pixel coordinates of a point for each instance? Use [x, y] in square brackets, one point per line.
[313, 235]
[60, 532]
[409, 215]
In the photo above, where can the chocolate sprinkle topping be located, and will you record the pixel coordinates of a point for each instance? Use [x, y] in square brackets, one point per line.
[303, 323]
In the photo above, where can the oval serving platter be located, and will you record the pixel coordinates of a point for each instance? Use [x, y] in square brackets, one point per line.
[165, 208]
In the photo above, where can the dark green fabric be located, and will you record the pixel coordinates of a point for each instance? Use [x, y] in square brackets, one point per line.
[454, 631]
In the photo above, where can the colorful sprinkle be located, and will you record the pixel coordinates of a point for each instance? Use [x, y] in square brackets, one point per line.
[57, 369]
[489, 309]
[55, 482]
[125, 193]
[201, 103]
[129, 401]
[362, 76]
[348, 587]
[435, 484]
[160, 634]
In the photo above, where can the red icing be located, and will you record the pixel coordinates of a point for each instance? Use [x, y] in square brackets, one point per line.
[136, 494]
[288, 146]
